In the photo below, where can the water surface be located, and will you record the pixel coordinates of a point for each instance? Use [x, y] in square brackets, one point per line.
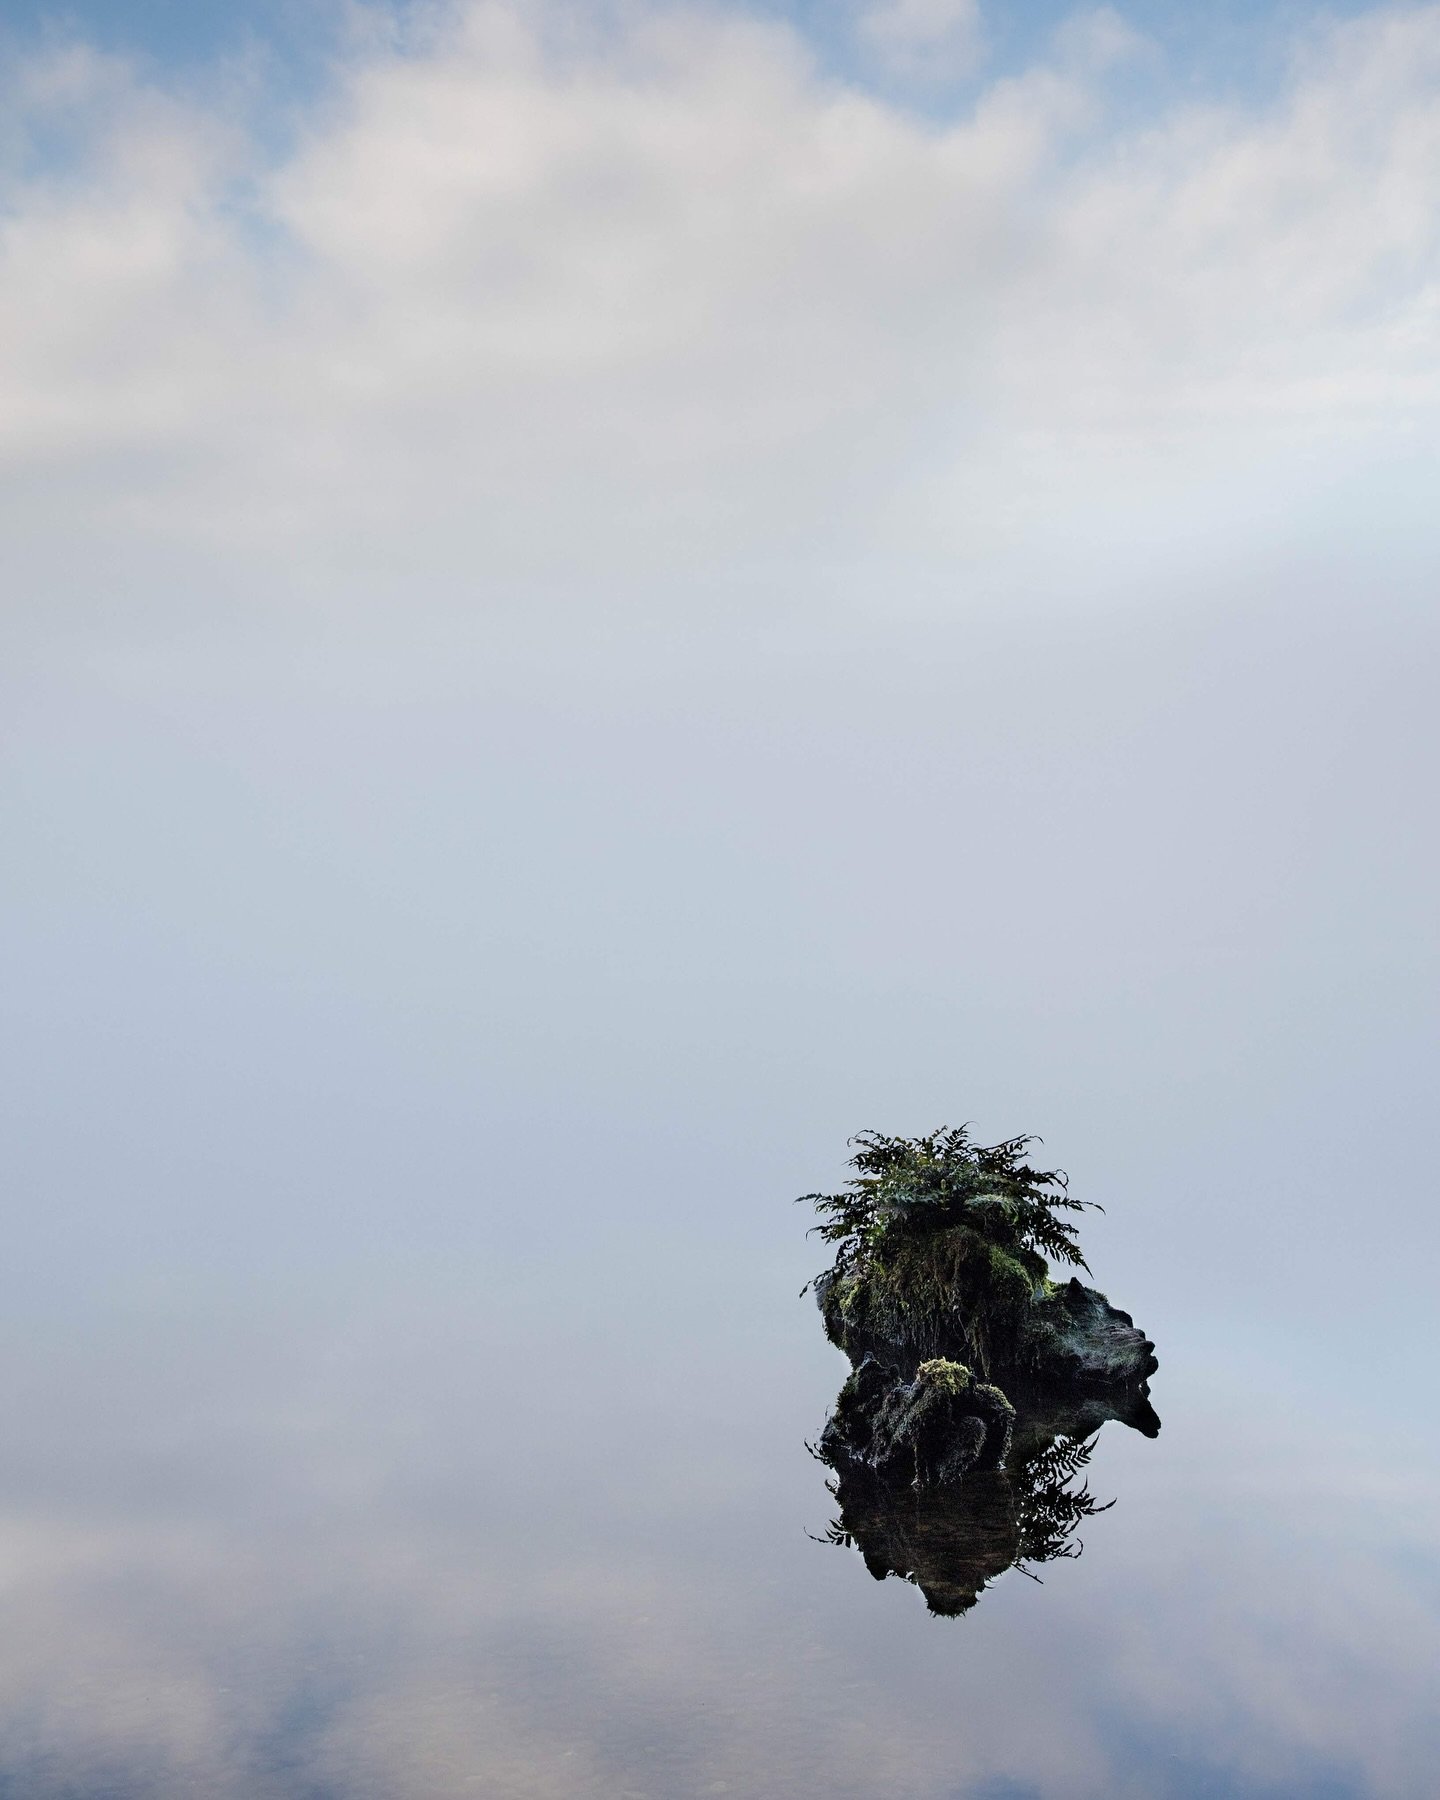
[420, 1537]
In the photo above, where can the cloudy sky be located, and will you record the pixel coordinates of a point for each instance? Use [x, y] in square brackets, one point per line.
[598, 596]
[595, 597]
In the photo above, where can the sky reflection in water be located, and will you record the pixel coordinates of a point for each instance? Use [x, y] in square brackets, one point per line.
[408, 1554]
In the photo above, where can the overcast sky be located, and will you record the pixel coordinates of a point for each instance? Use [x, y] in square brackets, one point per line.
[599, 597]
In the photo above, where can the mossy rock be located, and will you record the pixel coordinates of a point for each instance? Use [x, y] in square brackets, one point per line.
[944, 1294]
[943, 1249]
[1073, 1335]
[960, 1302]
[935, 1427]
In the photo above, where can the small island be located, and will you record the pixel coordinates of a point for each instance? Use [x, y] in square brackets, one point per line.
[978, 1380]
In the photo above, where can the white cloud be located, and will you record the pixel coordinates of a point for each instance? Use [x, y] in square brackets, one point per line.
[672, 305]
[930, 40]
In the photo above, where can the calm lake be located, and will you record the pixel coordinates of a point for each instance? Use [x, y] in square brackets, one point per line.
[556, 1537]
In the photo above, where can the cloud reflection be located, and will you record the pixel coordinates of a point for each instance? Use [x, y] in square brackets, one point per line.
[400, 1644]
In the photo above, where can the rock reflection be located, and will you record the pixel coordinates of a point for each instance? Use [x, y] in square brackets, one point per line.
[951, 1539]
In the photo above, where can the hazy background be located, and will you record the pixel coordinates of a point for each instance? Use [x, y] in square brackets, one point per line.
[597, 598]
[606, 607]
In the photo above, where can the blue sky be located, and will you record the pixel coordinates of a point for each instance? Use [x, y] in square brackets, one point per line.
[1226, 42]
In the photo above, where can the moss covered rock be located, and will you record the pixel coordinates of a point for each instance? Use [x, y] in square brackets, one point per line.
[935, 1427]
[941, 1296]
[937, 1304]
[1073, 1335]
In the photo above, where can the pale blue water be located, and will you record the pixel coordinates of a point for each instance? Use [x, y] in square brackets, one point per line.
[415, 1537]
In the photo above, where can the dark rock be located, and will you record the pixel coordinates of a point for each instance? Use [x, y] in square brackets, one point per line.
[1066, 1334]
[1075, 1336]
[934, 1428]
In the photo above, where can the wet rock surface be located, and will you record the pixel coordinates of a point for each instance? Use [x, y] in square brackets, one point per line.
[932, 1429]
[946, 1481]
[1069, 1336]
[1075, 1336]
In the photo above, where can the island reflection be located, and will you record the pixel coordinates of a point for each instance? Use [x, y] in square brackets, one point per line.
[952, 1539]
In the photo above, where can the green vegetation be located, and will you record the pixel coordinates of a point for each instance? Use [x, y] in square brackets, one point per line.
[943, 1377]
[939, 1240]
[1050, 1508]
[940, 1286]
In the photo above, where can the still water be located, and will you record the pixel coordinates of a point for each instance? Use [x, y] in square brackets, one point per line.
[435, 1533]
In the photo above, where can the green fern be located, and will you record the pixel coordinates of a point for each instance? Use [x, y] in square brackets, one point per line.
[1050, 1509]
[926, 1220]
[934, 1183]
